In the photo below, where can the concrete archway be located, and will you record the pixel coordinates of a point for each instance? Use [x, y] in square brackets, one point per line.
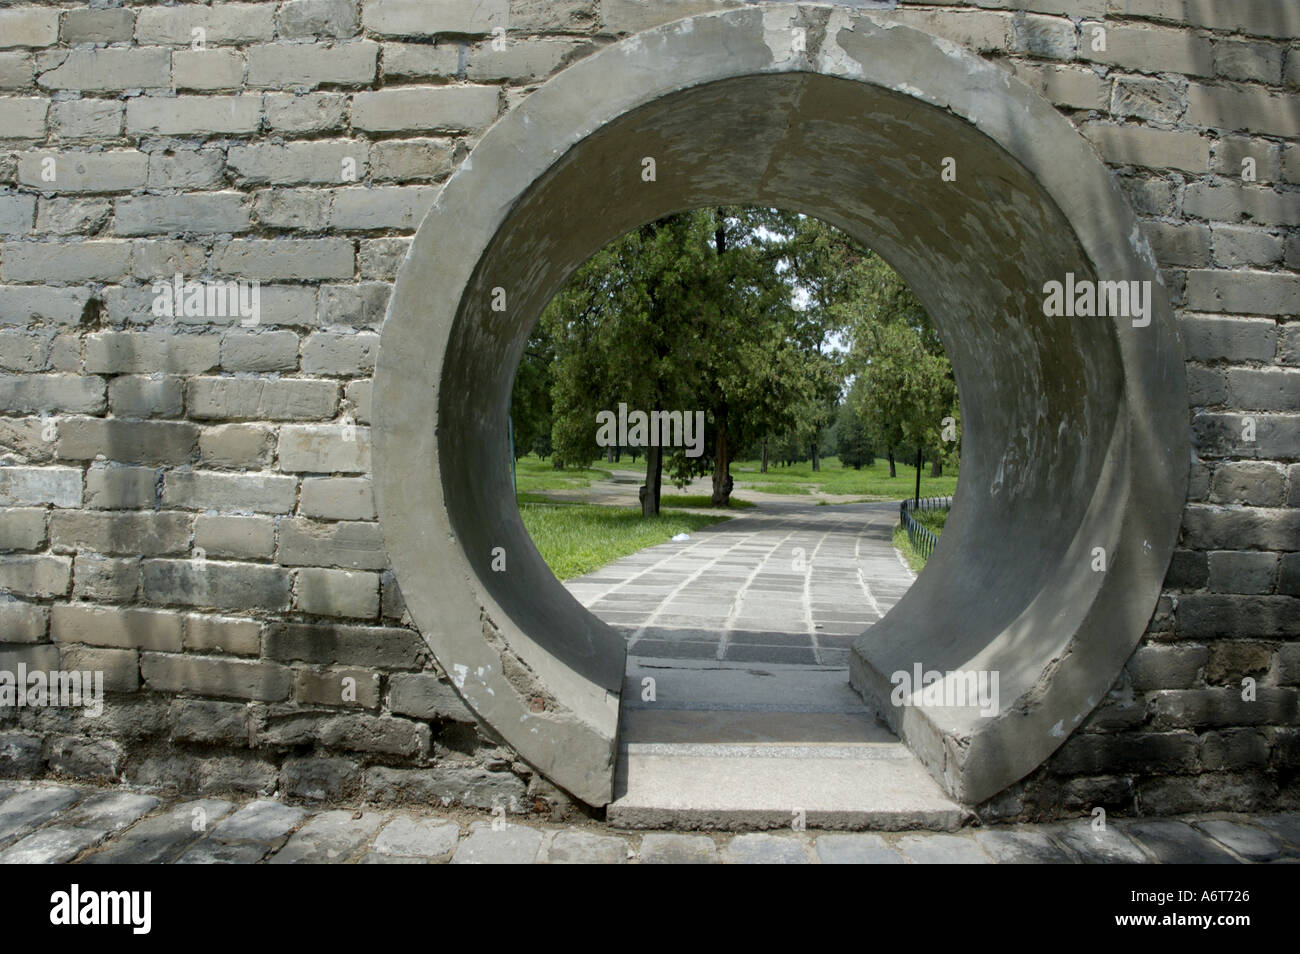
[1075, 428]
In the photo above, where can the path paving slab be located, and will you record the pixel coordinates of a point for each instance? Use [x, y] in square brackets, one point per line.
[1022, 847]
[1251, 843]
[212, 852]
[511, 845]
[672, 849]
[329, 838]
[586, 848]
[856, 849]
[262, 820]
[110, 810]
[408, 836]
[24, 811]
[52, 846]
[162, 838]
[757, 848]
[942, 850]
[1177, 843]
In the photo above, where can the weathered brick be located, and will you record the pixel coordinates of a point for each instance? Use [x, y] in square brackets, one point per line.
[1154, 100]
[17, 70]
[209, 723]
[1271, 389]
[305, 209]
[1166, 667]
[525, 61]
[356, 306]
[23, 622]
[337, 593]
[338, 498]
[238, 493]
[87, 119]
[337, 687]
[64, 261]
[224, 23]
[324, 449]
[1245, 245]
[112, 171]
[1133, 145]
[1201, 616]
[112, 68]
[1149, 49]
[327, 644]
[357, 394]
[23, 305]
[1247, 108]
[368, 733]
[1229, 339]
[235, 537]
[276, 399]
[1095, 753]
[121, 667]
[425, 109]
[216, 676]
[421, 61]
[193, 115]
[339, 354]
[200, 168]
[1242, 571]
[1228, 201]
[378, 259]
[121, 488]
[25, 351]
[1254, 483]
[148, 534]
[352, 545]
[97, 26]
[287, 259]
[1233, 660]
[277, 65]
[306, 112]
[259, 351]
[218, 585]
[23, 118]
[207, 69]
[38, 576]
[1288, 580]
[411, 159]
[29, 26]
[425, 696]
[150, 352]
[25, 486]
[165, 214]
[325, 18]
[242, 637]
[418, 18]
[22, 528]
[320, 161]
[236, 446]
[119, 627]
[1227, 435]
[86, 758]
[381, 207]
[144, 397]
[1178, 708]
[132, 442]
[112, 579]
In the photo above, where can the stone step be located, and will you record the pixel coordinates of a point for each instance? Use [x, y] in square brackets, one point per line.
[735, 747]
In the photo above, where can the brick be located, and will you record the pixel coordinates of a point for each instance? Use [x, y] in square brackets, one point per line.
[22, 528]
[25, 351]
[38, 576]
[419, 18]
[1229, 339]
[305, 112]
[86, 758]
[236, 446]
[306, 209]
[1243, 292]
[278, 65]
[23, 118]
[425, 696]
[1216, 707]
[216, 585]
[1244, 572]
[337, 593]
[425, 109]
[113, 68]
[97, 26]
[1248, 60]
[1149, 49]
[240, 493]
[225, 23]
[339, 354]
[1244, 108]
[1253, 483]
[150, 534]
[381, 207]
[1154, 100]
[1067, 86]
[66, 262]
[352, 545]
[101, 578]
[26, 486]
[51, 393]
[193, 115]
[17, 70]
[87, 119]
[324, 449]
[1271, 389]
[1231, 151]
[121, 667]
[357, 394]
[319, 18]
[1206, 387]
[29, 26]
[319, 161]
[214, 212]
[131, 442]
[421, 61]
[411, 159]
[287, 259]
[17, 213]
[1244, 245]
[118, 627]
[357, 306]
[143, 397]
[1288, 580]
[1048, 37]
[201, 168]
[158, 262]
[338, 645]
[378, 259]
[207, 69]
[368, 733]
[1166, 667]
[242, 637]
[325, 779]
[1265, 617]
[546, 16]
[1228, 201]
[23, 622]
[526, 61]
[1095, 753]
[1132, 145]
[337, 687]
[1231, 661]
[259, 351]
[278, 399]
[975, 30]
[21, 306]
[1233, 749]
[121, 488]
[118, 170]
[234, 537]
[215, 676]
[338, 498]
[1248, 528]
[209, 723]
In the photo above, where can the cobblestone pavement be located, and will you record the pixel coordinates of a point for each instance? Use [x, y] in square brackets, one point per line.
[792, 583]
[50, 823]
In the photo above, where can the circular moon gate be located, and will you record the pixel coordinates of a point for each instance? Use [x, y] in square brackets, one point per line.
[1075, 429]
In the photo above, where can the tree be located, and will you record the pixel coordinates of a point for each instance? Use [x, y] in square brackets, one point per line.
[852, 438]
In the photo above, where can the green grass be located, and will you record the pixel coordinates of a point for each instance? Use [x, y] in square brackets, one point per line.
[699, 500]
[934, 521]
[871, 482]
[533, 474]
[575, 539]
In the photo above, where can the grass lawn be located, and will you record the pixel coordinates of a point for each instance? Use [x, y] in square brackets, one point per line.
[871, 482]
[667, 499]
[575, 539]
[932, 520]
[533, 474]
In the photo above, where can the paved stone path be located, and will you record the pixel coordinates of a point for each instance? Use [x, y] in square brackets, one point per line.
[47, 823]
[790, 583]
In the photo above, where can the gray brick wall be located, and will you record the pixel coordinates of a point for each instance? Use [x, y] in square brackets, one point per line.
[185, 498]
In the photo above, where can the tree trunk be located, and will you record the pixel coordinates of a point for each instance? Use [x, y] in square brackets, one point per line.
[609, 454]
[763, 469]
[816, 461]
[654, 466]
[893, 470]
[936, 468]
[721, 462]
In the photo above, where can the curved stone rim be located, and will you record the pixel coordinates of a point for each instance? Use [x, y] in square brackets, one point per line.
[501, 669]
